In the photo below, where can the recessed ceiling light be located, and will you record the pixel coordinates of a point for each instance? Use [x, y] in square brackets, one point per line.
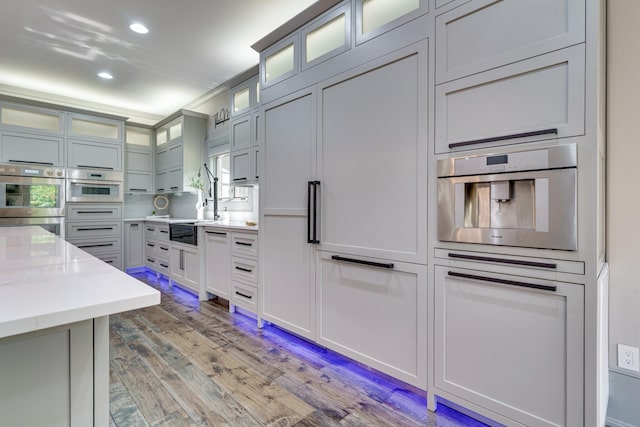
[105, 75]
[139, 28]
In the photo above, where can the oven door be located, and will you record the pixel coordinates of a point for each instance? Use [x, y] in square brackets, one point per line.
[31, 197]
[52, 225]
[80, 190]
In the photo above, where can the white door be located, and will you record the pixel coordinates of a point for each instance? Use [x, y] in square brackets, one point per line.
[372, 149]
[286, 258]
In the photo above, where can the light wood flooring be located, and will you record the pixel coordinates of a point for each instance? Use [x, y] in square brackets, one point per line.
[191, 363]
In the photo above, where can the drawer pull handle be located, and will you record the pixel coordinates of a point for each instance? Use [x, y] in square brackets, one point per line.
[160, 189]
[151, 260]
[164, 265]
[239, 179]
[164, 231]
[503, 281]
[95, 212]
[102, 245]
[361, 261]
[504, 137]
[151, 245]
[174, 188]
[163, 248]
[95, 167]
[244, 244]
[151, 229]
[504, 261]
[109, 262]
[31, 163]
[137, 189]
[133, 225]
[217, 233]
[248, 270]
[95, 229]
[244, 295]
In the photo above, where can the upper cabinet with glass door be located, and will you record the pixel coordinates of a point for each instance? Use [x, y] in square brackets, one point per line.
[326, 37]
[376, 17]
[31, 119]
[170, 133]
[102, 129]
[245, 97]
[280, 61]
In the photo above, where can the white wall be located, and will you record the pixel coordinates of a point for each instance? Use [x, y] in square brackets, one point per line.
[623, 175]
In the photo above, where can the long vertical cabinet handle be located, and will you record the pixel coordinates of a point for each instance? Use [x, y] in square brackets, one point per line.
[313, 238]
[309, 185]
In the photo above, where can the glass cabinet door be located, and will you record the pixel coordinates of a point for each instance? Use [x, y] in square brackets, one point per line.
[327, 37]
[375, 17]
[280, 62]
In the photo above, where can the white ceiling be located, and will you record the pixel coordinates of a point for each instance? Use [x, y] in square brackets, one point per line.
[52, 50]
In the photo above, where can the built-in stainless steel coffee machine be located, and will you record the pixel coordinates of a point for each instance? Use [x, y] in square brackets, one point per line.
[524, 198]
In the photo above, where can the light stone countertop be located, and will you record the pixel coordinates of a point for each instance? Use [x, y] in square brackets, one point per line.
[47, 282]
[222, 223]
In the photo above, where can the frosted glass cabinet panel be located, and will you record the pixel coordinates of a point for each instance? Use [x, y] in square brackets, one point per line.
[377, 13]
[95, 128]
[333, 36]
[241, 100]
[161, 136]
[175, 131]
[32, 118]
[279, 64]
[141, 137]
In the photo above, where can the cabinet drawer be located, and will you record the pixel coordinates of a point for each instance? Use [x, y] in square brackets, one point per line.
[150, 231]
[522, 339]
[162, 266]
[244, 244]
[93, 229]
[162, 249]
[511, 32]
[244, 269]
[98, 246]
[25, 148]
[150, 247]
[540, 98]
[162, 232]
[395, 297]
[245, 296]
[93, 212]
[112, 259]
[151, 261]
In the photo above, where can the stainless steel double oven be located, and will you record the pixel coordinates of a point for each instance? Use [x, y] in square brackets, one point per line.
[32, 195]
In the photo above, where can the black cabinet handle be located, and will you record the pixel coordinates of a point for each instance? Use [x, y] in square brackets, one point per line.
[95, 167]
[312, 237]
[248, 270]
[151, 245]
[160, 190]
[244, 295]
[361, 261]
[503, 281]
[95, 229]
[137, 189]
[95, 212]
[164, 231]
[218, 233]
[244, 244]
[151, 260]
[504, 137]
[102, 245]
[162, 248]
[26, 162]
[239, 179]
[174, 188]
[109, 262]
[503, 261]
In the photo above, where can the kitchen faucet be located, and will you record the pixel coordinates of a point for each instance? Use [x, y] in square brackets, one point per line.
[213, 182]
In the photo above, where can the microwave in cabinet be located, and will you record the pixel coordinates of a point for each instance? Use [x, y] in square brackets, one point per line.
[94, 186]
[524, 198]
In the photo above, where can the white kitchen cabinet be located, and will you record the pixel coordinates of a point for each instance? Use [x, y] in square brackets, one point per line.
[510, 344]
[280, 61]
[93, 128]
[372, 173]
[217, 262]
[244, 135]
[179, 141]
[536, 99]
[30, 119]
[327, 36]
[511, 32]
[373, 311]
[376, 17]
[23, 148]
[98, 229]
[134, 244]
[287, 272]
[94, 211]
[94, 155]
[185, 265]
[139, 160]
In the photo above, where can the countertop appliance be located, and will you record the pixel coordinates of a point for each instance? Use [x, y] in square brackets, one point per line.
[524, 198]
[96, 186]
[184, 233]
[32, 195]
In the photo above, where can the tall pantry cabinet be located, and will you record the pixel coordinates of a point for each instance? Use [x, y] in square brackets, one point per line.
[343, 199]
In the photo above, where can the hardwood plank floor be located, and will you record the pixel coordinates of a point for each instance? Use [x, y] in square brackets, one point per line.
[191, 363]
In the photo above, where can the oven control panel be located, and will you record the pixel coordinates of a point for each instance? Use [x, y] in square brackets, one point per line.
[35, 170]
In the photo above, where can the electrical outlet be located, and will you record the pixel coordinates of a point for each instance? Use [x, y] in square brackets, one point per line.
[628, 357]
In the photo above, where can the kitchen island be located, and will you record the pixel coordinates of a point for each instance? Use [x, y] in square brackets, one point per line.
[55, 302]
